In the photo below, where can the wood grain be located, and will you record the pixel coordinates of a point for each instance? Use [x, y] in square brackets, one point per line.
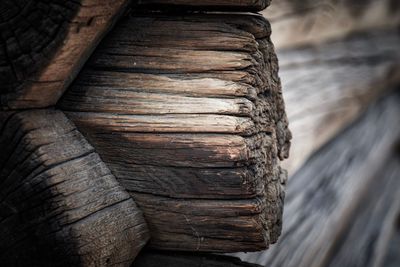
[45, 43]
[369, 237]
[297, 23]
[341, 202]
[327, 87]
[59, 203]
[230, 5]
[187, 111]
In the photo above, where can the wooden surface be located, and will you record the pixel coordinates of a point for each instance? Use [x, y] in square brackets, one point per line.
[187, 112]
[342, 206]
[370, 240]
[243, 5]
[326, 87]
[59, 203]
[297, 23]
[149, 258]
[45, 43]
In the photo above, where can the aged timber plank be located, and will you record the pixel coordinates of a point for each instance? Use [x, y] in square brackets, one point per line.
[43, 45]
[352, 73]
[367, 242]
[297, 23]
[347, 190]
[59, 203]
[232, 5]
[204, 225]
[187, 112]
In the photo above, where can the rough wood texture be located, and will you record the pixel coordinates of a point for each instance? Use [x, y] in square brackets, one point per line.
[296, 23]
[345, 194]
[326, 87]
[174, 259]
[367, 242]
[43, 45]
[242, 5]
[187, 112]
[59, 203]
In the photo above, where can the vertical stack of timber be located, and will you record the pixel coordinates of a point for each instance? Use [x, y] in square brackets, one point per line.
[182, 113]
[59, 203]
[187, 112]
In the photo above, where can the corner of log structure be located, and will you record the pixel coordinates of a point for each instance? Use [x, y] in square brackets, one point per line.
[187, 112]
[185, 109]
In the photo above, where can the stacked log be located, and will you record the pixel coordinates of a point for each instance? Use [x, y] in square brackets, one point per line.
[43, 45]
[59, 203]
[187, 112]
[182, 114]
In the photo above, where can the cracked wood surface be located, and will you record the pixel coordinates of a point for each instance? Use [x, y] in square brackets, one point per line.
[59, 203]
[43, 45]
[341, 204]
[187, 112]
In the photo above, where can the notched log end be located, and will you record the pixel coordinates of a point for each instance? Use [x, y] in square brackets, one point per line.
[61, 205]
[192, 123]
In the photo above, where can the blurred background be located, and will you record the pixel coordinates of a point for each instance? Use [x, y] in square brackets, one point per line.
[340, 72]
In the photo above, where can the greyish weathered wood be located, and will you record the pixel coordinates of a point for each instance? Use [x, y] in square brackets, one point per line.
[59, 203]
[235, 5]
[296, 23]
[187, 112]
[43, 45]
[327, 87]
[347, 191]
[367, 242]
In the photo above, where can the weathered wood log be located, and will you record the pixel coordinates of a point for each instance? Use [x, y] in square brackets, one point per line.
[43, 45]
[188, 114]
[296, 23]
[243, 5]
[59, 203]
[149, 258]
[367, 242]
[327, 87]
[338, 202]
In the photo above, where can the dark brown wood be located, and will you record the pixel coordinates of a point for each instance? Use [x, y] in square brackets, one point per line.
[344, 199]
[187, 112]
[59, 203]
[232, 5]
[43, 45]
[149, 258]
